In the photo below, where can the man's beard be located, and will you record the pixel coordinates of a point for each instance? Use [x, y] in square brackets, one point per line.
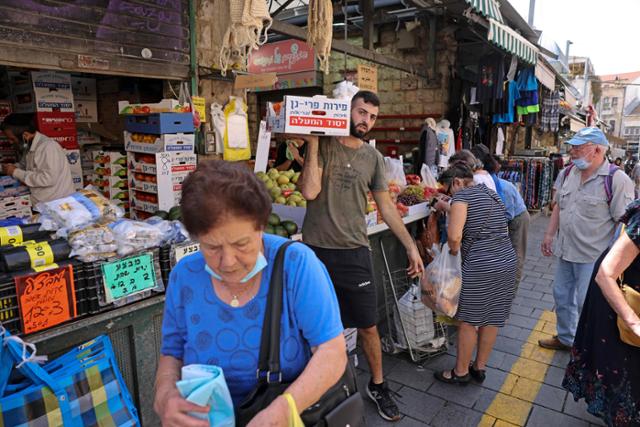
[356, 132]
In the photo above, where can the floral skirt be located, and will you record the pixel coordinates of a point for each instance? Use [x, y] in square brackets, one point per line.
[603, 370]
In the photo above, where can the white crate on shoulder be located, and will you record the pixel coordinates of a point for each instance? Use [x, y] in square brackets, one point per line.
[416, 318]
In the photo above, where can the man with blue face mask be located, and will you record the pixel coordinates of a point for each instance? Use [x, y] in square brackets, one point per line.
[590, 199]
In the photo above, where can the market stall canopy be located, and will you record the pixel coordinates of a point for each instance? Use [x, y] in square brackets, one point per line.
[507, 39]
[487, 8]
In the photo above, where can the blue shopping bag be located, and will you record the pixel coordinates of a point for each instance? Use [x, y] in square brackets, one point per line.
[83, 387]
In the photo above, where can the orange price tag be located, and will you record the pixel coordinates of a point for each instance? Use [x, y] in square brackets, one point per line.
[46, 298]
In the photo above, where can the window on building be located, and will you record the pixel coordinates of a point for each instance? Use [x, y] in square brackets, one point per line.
[606, 103]
[614, 101]
[636, 131]
[612, 126]
[627, 131]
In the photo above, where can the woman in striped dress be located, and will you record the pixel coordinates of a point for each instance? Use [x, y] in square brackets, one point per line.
[478, 226]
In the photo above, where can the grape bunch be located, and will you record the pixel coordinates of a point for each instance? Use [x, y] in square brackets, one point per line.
[409, 199]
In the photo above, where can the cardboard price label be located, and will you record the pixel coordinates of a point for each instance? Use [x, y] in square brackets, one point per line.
[199, 107]
[182, 251]
[128, 276]
[46, 299]
[368, 78]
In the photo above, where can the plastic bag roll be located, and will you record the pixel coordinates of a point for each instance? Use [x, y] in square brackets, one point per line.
[20, 258]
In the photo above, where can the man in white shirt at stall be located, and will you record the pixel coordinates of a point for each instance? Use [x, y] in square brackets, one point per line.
[43, 165]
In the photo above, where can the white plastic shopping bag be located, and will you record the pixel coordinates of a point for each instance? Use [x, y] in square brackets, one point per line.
[442, 282]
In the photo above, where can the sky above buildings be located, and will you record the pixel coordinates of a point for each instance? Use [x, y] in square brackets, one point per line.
[605, 31]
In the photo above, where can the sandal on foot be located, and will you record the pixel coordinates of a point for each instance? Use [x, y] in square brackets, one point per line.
[477, 374]
[454, 379]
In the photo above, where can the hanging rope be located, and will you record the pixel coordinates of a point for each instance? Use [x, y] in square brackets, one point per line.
[320, 30]
[248, 19]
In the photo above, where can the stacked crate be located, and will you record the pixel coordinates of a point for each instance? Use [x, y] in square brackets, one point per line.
[160, 155]
[110, 176]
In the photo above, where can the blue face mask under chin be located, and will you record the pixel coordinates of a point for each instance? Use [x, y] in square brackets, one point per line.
[581, 163]
[260, 265]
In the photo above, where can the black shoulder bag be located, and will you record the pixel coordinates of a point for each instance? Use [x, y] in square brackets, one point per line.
[340, 406]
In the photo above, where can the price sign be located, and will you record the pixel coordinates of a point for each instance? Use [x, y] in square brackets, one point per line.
[46, 299]
[368, 78]
[181, 251]
[198, 103]
[128, 276]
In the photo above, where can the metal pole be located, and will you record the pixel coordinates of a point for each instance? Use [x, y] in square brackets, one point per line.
[532, 9]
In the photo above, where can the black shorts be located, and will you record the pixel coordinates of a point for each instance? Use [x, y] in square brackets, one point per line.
[351, 272]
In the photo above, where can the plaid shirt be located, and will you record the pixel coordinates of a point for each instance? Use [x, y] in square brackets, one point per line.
[550, 114]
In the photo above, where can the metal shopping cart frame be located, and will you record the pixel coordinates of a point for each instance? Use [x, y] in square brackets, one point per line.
[395, 285]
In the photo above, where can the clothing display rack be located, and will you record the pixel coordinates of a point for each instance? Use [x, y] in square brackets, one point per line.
[533, 176]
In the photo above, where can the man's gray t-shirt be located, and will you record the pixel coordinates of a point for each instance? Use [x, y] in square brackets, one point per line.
[336, 218]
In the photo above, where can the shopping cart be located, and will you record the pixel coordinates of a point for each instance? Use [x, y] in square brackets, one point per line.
[410, 325]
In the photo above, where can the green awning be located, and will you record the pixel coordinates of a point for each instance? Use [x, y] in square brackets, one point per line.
[507, 39]
[487, 8]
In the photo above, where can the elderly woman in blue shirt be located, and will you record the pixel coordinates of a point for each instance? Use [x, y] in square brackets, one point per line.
[216, 301]
[517, 214]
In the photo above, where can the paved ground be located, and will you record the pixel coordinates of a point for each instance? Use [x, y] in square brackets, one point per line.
[523, 385]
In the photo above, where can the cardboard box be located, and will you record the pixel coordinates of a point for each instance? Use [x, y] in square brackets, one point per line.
[20, 82]
[69, 142]
[165, 189]
[88, 138]
[84, 88]
[166, 142]
[19, 207]
[109, 158]
[73, 157]
[119, 194]
[23, 103]
[418, 209]
[316, 115]
[52, 91]
[56, 124]
[176, 163]
[86, 111]
[5, 109]
[111, 182]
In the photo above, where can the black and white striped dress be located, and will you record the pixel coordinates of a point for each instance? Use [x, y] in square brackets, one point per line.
[488, 260]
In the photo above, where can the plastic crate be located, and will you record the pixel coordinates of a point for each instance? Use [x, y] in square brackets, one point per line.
[165, 263]
[160, 123]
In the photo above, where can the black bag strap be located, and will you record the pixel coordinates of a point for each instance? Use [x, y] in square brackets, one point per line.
[269, 360]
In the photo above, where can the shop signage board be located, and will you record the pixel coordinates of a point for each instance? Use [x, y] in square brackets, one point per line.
[292, 81]
[250, 81]
[128, 276]
[286, 56]
[368, 77]
[46, 298]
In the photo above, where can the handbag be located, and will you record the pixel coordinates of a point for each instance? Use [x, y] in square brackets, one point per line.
[80, 387]
[339, 406]
[632, 297]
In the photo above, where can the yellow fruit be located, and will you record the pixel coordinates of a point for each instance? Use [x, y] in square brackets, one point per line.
[282, 180]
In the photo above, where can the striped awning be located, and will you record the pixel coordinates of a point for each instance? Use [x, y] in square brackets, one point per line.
[487, 8]
[507, 39]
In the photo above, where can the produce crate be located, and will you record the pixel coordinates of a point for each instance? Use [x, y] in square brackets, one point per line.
[160, 123]
[147, 143]
[19, 207]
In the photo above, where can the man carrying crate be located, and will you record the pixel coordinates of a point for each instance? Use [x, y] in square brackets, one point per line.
[337, 174]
